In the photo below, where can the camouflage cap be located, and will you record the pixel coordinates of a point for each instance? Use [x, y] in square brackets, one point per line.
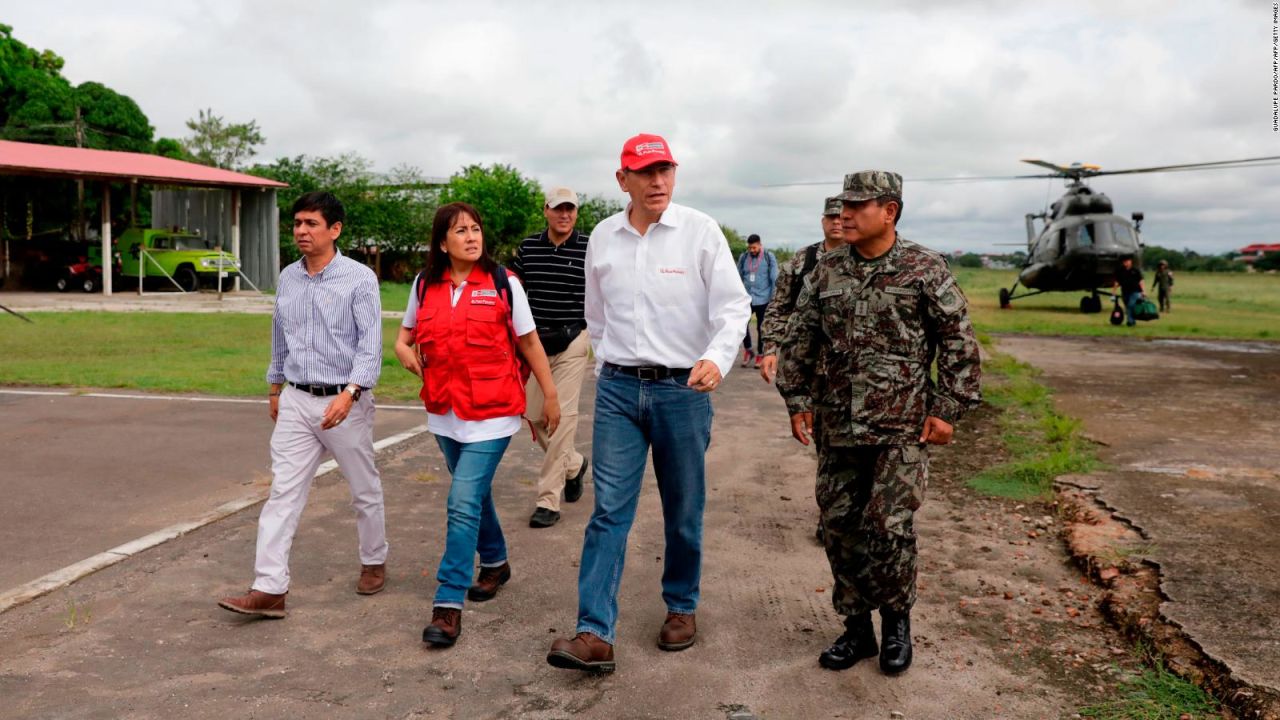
[832, 206]
[871, 184]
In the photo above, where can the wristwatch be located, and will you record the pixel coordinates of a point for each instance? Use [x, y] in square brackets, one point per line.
[353, 390]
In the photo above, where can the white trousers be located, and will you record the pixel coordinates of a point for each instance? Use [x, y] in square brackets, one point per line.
[297, 445]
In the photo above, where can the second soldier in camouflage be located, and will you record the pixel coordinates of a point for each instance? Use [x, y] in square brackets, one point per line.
[871, 320]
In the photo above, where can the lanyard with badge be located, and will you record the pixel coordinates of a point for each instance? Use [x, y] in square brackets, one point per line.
[751, 269]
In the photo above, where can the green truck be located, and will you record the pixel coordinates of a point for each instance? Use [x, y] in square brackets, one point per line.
[189, 259]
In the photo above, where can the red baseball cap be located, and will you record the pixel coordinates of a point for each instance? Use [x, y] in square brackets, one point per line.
[644, 150]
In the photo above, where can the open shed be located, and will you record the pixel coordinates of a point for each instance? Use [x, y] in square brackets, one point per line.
[261, 246]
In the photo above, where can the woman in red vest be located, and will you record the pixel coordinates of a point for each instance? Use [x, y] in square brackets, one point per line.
[467, 326]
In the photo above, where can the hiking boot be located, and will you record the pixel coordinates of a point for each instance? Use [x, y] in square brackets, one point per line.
[584, 652]
[857, 642]
[543, 518]
[256, 602]
[678, 632]
[445, 627]
[573, 486]
[491, 578]
[372, 579]
[895, 641]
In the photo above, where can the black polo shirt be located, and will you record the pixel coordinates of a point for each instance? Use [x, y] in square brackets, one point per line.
[554, 278]
[1130, 280]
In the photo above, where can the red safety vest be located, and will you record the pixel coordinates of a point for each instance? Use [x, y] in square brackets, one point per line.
[470, 364]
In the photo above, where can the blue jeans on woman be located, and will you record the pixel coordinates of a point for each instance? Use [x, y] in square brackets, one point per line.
[473, 523]
[631, 416]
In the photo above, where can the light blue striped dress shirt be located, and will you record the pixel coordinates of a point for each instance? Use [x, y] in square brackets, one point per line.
[327, 328]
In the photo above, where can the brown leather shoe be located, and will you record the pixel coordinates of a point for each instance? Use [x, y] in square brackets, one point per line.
[372, 579]
[678, 632]
[584, 652]
[491, 578]
[256, 602]
[445, 627]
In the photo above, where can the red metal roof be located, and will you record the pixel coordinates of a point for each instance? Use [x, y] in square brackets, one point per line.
[18, 158]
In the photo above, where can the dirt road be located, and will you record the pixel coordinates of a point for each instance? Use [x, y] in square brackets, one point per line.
[1005, 626]
[1189, 429]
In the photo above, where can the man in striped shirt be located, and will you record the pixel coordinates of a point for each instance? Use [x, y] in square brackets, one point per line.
[550, 265]
[326, 353]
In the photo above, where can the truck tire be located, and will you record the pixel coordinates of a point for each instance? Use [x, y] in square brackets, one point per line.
[186, 278]
[64, 282]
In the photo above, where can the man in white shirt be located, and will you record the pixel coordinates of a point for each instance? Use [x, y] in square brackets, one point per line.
[665, 310]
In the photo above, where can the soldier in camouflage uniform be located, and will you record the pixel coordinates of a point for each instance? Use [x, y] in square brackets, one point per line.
[872, 318]
[790, 280]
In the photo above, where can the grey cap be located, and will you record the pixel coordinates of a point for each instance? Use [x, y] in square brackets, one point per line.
[871, 184]
[558, 196]
[832, 206]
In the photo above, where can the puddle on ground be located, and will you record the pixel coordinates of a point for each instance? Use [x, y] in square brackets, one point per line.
[1206, 472]
[1223, 345]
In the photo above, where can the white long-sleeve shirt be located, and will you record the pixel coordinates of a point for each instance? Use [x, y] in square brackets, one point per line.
[670, 297]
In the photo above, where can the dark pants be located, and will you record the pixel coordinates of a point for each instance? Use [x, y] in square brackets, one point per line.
[1131, 301]
[868, 496]
[758, 311]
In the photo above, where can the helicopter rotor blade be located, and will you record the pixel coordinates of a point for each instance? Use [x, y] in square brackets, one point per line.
[1077, 172]
[1058, 169]
[958, 179]
[1217, 165]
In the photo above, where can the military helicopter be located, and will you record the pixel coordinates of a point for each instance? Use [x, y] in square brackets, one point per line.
[1082, 239]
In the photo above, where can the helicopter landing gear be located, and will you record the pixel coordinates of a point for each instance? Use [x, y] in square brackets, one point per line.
[1004, 299]
[1091, 304]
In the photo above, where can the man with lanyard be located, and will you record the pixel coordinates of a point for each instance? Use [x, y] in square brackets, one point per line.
[664, 306]
[871, 321]
[790, 282]
[326, 354]
[1129, 278]
[759, 272]
[550, 266]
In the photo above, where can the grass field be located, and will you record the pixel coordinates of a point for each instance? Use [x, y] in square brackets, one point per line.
[220, 354]
[227, 354]
[1237, 306]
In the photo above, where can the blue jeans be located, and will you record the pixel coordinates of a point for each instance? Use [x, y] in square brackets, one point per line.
[632, 415]
[1130, 302]
[473, 522]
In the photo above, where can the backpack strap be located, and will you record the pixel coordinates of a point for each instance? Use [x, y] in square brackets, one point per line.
[502, 283]
[810, 262]
[810, 259]
[420, 286]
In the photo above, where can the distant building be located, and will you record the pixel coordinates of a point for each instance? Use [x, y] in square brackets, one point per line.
[1249, 253]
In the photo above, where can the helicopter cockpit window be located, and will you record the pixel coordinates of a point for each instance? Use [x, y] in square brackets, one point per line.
[1086, 236]
[1123, 235]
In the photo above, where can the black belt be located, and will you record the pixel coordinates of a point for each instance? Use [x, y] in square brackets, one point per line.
[319, 390]
[650, 372]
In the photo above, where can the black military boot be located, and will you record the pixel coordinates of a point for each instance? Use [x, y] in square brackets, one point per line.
[895, 641]
[857, 642]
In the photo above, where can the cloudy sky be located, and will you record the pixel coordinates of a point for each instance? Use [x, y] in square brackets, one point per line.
[749, 94]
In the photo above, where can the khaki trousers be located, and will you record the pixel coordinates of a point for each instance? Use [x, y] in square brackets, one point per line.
[562, 460]
[297, 447]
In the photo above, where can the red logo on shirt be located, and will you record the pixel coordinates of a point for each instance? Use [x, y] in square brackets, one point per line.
[670, 271]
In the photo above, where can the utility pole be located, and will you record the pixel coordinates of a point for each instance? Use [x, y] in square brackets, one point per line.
[81, 228]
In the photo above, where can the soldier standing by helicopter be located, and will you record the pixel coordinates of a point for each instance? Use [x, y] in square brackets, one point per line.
[1164, 285]
[1129, 280]
[873, 317]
